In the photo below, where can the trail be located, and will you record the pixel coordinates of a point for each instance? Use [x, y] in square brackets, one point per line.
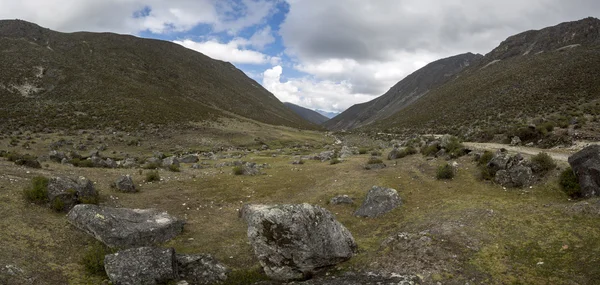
[557, 154]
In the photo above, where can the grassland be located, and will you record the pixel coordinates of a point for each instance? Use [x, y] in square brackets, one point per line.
[460, 230]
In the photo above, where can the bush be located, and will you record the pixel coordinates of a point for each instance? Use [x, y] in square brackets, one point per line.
[95, 200]
[569, 183]
[238, 170]
[542, 162]
[429, 150]
[485, 158]
[486, 173]
[335, 160]
[38, 191]
[374, 160]
[174, 168]
[93, 258]
[13, 156]
[445, 171]
[375, 153]
[363, 150]
[81, 162]
[152, 165]
[410, 150]
[152, 176]
[57, 205]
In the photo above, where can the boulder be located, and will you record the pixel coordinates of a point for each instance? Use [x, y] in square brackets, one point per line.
[125, 228]
[515, 141]
[142, 265]
[297, 162]
[129, 163]
[125, 184]
[294, 241]
[110, 163]
[57, 156]
[190, 158]
[325, 155]
[379, 201]
[346, 152]
[169, 161]
[394, 154]
[341, 199]
[586, 166]
[500, 161]
[68, 192]
[250, 168]
[200, 269]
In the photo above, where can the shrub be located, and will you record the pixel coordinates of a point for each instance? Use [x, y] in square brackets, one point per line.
[13, 156]
[38, 191]
[335, 160]
[174, 168]
[374, 160]
[93, 258]
[152, 176]
[363, 150]
[238, 170]
[486, 173]
[81, 162]
[444, 171]
[485, 158]
[569, 183]
[152, 165]
[57, 205]
[95, 200]
[429, 150]
[542, 162]
[375, 153]
[410, 150]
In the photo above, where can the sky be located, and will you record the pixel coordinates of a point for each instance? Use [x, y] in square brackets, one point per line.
[320, 54]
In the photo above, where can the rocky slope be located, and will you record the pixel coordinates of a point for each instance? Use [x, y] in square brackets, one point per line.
[82, 80]
[307, 114]
[404, 93]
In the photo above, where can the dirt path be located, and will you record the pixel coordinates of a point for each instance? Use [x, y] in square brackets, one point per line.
[557, 154]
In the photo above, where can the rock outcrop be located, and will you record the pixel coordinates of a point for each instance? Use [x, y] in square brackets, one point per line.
[586, 165]
[64, 192]
[200, 269]
[143, 266]
[379, 201]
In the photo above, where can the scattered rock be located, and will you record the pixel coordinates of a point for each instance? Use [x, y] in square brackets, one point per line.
[515, 141]
[67, 192]
[125, 184]
[129, 163]
[379, 201]
[341, 199]
[346, 152]
[170, 161]
[394, 154]
[143, 265]
[125, 228]
[586, 165]
[294, 241]
[57, 156]
[200, 269]
[297, 162]
[153, 161]
[324, 156]
[190, 158]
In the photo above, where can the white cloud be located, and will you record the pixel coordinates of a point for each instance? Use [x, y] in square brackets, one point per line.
[233, 51]
[262, 38]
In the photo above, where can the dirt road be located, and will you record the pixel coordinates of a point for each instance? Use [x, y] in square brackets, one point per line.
[557, 154]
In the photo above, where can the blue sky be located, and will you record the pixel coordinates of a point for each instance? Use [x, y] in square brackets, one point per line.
[320, 54]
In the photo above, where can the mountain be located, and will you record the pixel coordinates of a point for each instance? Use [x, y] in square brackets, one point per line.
[307, 114]
[404, 93]
[550, 75]
[50, 79]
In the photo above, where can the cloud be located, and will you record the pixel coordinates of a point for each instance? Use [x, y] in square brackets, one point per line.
[314, 94]
[262, 38]
[233, 51]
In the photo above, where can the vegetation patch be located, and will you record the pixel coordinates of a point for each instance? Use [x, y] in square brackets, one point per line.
[37, 192]
[444, 172]
[542, 163]
[569, 183]
[93, 258]
[152, 176]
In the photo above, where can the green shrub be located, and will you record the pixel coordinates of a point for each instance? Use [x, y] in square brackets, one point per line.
[485, 158]
[174, 168]
[95, 199]
[542, 162]
[363, 150]
[444, 171]
[93, 258]
[429, 150]
[152, 176]
[243, 277]
[335, 160]
[38, 191]
[152, 165]
[374, 160]
[238, 170]
[81, 162]
[410, 150]
[455, 148]
[486, 173]
[569, 183]
[57, 205]
[375, 153]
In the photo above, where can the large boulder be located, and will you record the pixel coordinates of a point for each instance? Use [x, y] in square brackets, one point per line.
[125, 184]
[516, 176]
[586, 165]
[142, 265]
[515, 141]
[294, 241]
[129, 163]
[66, 192]
[394, 154]
[346, 152]
[170, 162]
[125, 228]
[501, 161]
[325, 155]
[56, 156]
[200, 269]
[379, 201]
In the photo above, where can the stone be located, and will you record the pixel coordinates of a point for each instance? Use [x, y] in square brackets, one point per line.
[516, 176]
[170, 161]
[379, 201]
[110, 163]
[341, 199]
[515, 141]
[295, 241]
[374, 166]
[586, 166]
[129, 163]
[346, 152]
[153, 161]
[68, 192]
[142, 265]
[298, 162]
[325, 155]
[190, 158]
[500, 161]
[125, 228]
[57, 156]
[125, 184]
[200, 269]
[394, 154]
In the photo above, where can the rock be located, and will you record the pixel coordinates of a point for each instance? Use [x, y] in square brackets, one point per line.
[341, 199]
[446, 140]
[199, 166]
[129, 163]
[517, 176]
[125, 228]
[169, 161]
[159, 155]
[125, 184]
[200, 269]
[441, 153]
[97, 161]
[294, 241]
[68, 192]
[153, 161]
[250, 168]
[371, 166]
[379, 201]
[142, 265]
[500, 161]
[325, 155]
[264, 147]
[346, 152]
[515, 141]
[57, 156]
[110, 163]
[586, 166]
[297, 162]
[394, 154]
[190, 158]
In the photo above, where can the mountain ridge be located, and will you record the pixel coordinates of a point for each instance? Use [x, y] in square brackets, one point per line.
[307, 114]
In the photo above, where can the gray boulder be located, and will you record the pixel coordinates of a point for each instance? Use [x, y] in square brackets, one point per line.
[125, 184]
[325, 155]
[141, 266]
[586, 166]
[129, 163]
[346, 152]
[379, 201]
[515, 141]
[57, 156]
[125, 228]
[110, 163]
[200, 269]
[169, 161]
[153, 161]
[516, 176]
[341, 199]
[68, 192]
[294, 241]
[500, 161]
[190, 158]
[394, 154]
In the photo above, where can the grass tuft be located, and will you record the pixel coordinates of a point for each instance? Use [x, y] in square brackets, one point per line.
[37, 192]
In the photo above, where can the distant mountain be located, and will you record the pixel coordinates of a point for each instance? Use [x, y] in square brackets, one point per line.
[550, 75]
[327, 114]
[98, 80]
[404, 93]
[307, 114]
